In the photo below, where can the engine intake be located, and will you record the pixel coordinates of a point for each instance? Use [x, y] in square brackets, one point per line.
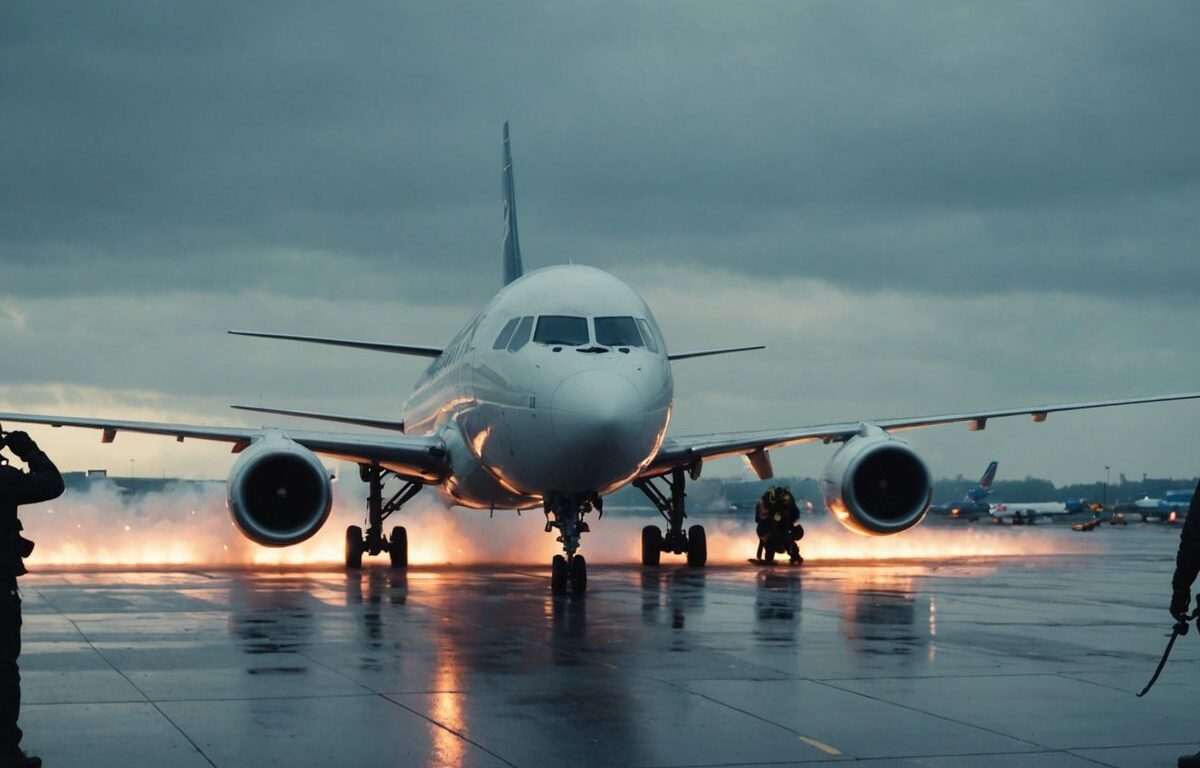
[877, 485]
[279, 492]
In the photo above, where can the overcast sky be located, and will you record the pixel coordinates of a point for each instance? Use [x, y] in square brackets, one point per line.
[918, 207]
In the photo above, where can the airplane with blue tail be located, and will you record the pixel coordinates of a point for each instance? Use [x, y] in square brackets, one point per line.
[974, 504]
[1171, 508]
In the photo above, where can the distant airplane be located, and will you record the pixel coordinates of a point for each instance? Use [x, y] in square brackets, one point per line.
[1028, 512]
[557, 392]
[1171, 508]
[972, 506]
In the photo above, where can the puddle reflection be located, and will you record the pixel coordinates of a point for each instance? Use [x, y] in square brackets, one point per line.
[672, 595]
[778, 598]
[270, 617]
[367, 588]
[883, 614]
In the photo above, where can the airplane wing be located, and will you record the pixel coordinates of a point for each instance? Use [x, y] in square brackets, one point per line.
[710, 352]
[414, 458]
[374, 346]
[687, 451]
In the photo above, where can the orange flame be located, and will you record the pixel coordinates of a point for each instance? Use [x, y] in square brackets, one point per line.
[189, 527]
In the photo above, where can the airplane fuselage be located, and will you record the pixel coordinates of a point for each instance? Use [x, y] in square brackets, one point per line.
[1034, 510]
[560, 385]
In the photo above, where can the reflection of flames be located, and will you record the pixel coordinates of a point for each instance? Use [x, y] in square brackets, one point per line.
[187, 526]
[447, 710]
[823, 540]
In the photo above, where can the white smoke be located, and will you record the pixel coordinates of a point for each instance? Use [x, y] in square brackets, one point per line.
[187, 524]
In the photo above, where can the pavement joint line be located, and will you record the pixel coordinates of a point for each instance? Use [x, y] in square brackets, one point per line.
[934, 714]
[966, 676]
[448, 729]
[882, 760]
[752, 715]
[1091, 760]
[106, 660]
[1105, 686]
[219, 699]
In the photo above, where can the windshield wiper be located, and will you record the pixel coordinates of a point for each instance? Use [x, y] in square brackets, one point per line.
[595, 350]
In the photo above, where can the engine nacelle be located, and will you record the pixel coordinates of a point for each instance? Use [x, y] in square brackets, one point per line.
[279, 493]
[877, 485]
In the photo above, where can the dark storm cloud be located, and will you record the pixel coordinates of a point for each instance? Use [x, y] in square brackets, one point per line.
[318, 149]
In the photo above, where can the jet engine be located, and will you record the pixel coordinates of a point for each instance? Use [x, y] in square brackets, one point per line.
[279, 493]
[877, 485]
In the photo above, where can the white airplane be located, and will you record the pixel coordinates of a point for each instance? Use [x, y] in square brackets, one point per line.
[1027, 512]
[557, 392]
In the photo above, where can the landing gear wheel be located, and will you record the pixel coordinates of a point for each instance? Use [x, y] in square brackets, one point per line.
[354, 547]
[697, 554]
[399, 550]
[577, 574]
[558, 575]
[651, 545]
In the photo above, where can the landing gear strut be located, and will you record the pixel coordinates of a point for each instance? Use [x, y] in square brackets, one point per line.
[670, 504]
[374, 542]
[566, 514]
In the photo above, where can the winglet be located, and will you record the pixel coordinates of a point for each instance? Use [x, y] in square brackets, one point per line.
[512, 244]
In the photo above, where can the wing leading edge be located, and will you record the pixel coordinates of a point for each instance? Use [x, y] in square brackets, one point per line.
[373, 346]
[416, 458]
[686, 451]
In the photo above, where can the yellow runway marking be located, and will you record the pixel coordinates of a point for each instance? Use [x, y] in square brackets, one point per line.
[819, 745]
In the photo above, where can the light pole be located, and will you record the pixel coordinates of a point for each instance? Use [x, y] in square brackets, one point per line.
[1106, 476]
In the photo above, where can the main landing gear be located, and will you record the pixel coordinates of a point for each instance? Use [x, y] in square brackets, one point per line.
[566, 514]
[670, 505]
[374, 542]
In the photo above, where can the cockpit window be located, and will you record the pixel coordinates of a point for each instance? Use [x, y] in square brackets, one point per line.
[648, 335]
[617, 332]
[506, 333]
[520, 337]
[562, 329]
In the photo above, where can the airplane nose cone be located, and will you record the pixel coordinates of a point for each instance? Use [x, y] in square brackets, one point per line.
[599, 421]
[595, 402]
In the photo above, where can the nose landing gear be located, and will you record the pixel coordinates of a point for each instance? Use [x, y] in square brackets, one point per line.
[654, 540]
[566, 514]
[374, 542]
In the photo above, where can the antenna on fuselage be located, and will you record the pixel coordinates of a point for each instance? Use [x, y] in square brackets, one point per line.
[512, 245]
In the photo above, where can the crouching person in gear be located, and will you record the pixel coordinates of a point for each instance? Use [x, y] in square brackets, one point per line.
[41, 482]
[777, 519]
[1187, 565]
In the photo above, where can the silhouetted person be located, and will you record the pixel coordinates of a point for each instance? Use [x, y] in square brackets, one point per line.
[41, 482]
[1187, 565]
[777, 518]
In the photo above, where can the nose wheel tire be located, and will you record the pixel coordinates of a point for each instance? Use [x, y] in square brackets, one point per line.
[652, 544]
[354, 547]
[399, 547]
[697, 554]
[558, 575]
[577, 574]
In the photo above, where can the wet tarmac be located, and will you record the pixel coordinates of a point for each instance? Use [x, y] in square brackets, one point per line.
[1008, 662]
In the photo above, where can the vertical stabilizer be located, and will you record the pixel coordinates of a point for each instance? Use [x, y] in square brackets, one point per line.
[981, 491]
[512, 244]
[989, 476]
